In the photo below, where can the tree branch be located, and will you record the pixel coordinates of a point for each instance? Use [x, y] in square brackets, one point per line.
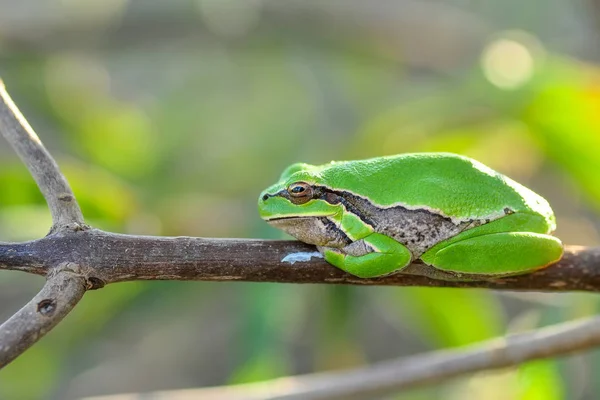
[62, 291]
[386, 378]
[108, 258]
[75, 258]
[53, 185]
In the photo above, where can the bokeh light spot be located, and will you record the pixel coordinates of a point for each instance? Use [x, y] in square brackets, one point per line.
[509, 61]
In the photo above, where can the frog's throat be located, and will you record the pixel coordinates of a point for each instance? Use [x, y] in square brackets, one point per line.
[318, 231]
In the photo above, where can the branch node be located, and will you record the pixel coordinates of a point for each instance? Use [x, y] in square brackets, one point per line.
[93, 283]
[69, 267]
[47, 307]
[66, 197]
[90, 282]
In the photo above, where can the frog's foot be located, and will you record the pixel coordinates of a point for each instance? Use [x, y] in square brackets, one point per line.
[497, 254]
[372, 256]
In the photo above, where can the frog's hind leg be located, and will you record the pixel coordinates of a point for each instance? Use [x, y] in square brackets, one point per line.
[514, 246]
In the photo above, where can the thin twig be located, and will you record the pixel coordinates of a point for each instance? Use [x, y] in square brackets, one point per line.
[53, 185]
[108, 258]
[65, 285]
[62, 291]
[386, 378]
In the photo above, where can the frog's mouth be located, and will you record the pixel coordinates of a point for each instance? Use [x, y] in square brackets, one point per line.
[287, 218]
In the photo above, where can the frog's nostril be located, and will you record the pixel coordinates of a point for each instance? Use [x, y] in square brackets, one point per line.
[265, 197]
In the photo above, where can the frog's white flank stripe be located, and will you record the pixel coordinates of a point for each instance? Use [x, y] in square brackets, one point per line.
[302, 256]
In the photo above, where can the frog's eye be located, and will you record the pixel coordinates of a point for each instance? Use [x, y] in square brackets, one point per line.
[300, 192]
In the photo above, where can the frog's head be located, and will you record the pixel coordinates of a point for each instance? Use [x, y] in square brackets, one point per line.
[300, 205]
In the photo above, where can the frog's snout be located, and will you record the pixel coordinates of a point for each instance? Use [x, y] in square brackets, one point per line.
[264, 205]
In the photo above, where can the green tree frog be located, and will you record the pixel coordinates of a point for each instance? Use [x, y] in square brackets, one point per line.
[375, 217]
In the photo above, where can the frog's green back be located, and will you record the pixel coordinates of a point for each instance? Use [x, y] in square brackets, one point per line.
[454, 185]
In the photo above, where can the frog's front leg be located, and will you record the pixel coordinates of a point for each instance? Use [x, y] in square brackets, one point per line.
[374, 255]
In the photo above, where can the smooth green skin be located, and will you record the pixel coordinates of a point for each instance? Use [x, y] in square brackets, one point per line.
[454, 186]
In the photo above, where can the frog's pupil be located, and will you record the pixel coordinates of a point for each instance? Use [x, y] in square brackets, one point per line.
[297, 189]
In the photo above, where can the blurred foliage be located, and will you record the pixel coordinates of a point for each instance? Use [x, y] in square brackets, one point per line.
[178, 136]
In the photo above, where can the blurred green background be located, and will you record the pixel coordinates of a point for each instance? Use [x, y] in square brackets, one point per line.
[169, 118]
